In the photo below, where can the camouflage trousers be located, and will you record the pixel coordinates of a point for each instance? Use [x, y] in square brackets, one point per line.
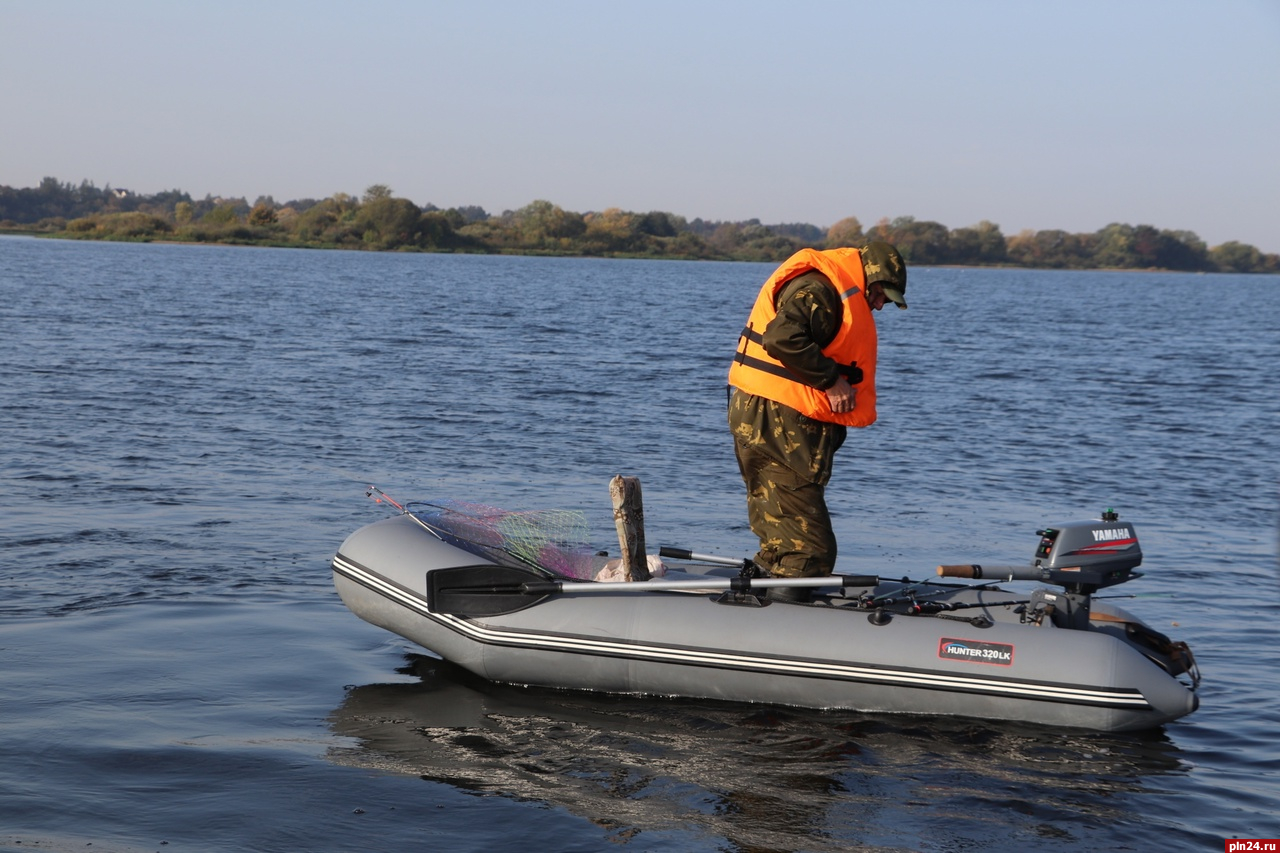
[786, 459]
[789, 515]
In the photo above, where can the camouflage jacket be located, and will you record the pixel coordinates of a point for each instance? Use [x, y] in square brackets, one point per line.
[809, 315]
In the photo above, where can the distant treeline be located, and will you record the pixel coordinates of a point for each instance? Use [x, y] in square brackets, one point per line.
[380, 221]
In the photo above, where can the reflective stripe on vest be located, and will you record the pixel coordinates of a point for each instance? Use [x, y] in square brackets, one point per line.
[754, 371]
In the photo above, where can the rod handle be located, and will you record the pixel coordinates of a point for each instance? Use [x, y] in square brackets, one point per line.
[979, 572]
[685, 554]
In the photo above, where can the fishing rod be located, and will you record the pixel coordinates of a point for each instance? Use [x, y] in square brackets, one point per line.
[382, 496]
[910, 586]
[868, 602]
[897, 596]
[929, 608]
[748, 570]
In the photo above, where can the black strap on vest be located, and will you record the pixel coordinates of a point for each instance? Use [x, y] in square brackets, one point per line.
[850, 372]
[759, 364]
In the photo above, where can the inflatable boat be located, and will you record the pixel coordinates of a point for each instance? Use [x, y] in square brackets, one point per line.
[959, 643]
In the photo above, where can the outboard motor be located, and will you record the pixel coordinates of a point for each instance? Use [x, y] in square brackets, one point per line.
[1082, 557]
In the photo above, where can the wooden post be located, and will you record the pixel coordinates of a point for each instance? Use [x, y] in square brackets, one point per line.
[628, 516]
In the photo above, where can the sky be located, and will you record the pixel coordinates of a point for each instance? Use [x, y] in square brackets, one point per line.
[1033, 115]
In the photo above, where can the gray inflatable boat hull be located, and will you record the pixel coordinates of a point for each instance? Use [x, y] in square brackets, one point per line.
[816, 656]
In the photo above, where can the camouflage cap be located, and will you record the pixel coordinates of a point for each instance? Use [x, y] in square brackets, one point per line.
[883, 264]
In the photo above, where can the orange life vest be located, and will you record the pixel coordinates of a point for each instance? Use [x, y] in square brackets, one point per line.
[756, 372]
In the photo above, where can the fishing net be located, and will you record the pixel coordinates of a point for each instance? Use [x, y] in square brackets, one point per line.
[552, 539]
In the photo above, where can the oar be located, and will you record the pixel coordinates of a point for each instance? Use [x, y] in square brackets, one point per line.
[494, 590]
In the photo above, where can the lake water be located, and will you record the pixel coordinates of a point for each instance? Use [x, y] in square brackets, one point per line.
[186, 436]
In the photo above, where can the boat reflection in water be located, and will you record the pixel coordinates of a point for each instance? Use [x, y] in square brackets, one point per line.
[761, 777]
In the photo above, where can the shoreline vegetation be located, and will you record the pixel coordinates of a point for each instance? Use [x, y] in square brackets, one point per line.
[379, 221]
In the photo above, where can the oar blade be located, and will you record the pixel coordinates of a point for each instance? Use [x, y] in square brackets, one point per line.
[488, 590]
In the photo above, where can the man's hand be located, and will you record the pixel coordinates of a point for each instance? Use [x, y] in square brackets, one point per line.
[841, 396]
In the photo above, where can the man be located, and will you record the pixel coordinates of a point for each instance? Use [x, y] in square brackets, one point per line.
[803, 373]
